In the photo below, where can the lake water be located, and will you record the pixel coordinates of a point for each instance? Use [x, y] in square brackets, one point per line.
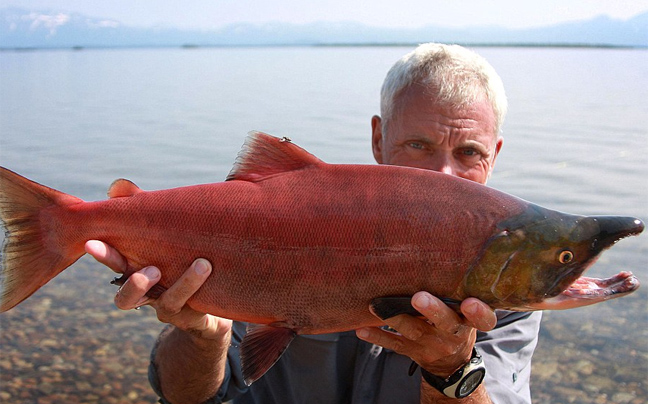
[576, 140]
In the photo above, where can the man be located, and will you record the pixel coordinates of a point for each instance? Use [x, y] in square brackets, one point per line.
[442, 108]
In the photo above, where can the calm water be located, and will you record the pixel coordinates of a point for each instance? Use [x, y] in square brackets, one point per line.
[576, 140]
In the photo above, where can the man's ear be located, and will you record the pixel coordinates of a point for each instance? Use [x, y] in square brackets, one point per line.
[498, 146]
[376, 138]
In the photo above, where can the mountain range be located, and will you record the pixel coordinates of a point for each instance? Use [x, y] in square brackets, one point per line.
[23, 28]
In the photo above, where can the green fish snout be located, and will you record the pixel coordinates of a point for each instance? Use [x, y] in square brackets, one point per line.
[536, 260]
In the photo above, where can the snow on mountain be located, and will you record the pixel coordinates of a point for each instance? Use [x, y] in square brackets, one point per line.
[22, 28]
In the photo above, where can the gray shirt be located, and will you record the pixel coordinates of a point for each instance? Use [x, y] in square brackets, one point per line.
[340, 368]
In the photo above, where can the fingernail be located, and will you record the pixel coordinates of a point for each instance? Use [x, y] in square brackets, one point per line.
[471, 309]
[362, 333]
[421, 301]
[201, 266]
[151, 272]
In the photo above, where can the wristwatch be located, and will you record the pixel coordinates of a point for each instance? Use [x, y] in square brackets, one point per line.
[461, 383]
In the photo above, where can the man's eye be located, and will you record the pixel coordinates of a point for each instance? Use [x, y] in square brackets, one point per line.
[469, 152]
[415, 145]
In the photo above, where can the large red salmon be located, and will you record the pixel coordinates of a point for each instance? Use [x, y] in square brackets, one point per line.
[305, 247]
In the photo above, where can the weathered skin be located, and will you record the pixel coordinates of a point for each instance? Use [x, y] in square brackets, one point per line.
[306, 245]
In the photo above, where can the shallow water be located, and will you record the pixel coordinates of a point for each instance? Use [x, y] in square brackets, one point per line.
[576, 140]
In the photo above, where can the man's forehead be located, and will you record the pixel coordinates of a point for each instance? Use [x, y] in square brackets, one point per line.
[420, 98]
[422, 117]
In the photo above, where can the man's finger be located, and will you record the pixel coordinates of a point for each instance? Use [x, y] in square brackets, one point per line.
[382, 338]
[408, 326]
[132, 294]
[173, 299]
[106, 255]
[437, 312]
[478, 314]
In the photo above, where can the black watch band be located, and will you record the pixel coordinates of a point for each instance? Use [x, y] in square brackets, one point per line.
[461, 383]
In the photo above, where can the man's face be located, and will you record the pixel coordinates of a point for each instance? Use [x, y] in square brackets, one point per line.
[423, 134]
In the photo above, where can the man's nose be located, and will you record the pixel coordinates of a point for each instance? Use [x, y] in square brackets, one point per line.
[443, 164]
[448, 169]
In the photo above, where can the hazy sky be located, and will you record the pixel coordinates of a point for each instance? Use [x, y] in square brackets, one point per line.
[205, 14]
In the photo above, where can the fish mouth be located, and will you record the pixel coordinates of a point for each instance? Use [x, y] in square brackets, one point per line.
[586, 291]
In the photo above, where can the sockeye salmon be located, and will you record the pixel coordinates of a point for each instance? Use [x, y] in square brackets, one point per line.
[304, 247]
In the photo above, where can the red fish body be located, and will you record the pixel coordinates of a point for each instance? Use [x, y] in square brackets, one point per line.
[307, 246]
[308, 253]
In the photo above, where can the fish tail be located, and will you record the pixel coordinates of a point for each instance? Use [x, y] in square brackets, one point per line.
[31, 256]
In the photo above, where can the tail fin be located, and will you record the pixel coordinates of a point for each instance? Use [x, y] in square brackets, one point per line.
[28, 260]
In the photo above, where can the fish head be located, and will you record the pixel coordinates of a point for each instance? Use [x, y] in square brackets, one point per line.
[536, 260]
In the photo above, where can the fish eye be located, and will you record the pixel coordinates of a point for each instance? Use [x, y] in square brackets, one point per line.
[565, 257]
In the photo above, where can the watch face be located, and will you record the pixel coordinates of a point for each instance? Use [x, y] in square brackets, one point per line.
[470, 382]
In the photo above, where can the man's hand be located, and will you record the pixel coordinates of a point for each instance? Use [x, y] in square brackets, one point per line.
[441, 344]
[171, 305]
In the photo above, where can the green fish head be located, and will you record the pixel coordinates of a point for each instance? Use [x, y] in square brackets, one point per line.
[535, 260]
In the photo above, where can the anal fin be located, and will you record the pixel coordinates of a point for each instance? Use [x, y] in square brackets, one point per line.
[261, 348]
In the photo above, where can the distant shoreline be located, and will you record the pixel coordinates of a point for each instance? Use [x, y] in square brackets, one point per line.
[319, 45]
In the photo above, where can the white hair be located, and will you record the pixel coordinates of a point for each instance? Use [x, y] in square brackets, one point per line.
[454, 75]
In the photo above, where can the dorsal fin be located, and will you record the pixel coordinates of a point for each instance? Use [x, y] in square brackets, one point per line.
[122, 187]
[263, 155]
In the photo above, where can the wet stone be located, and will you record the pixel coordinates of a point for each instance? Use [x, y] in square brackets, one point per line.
[46, 388]
[584, 367]
[83, 385]
[601, 399]
[623, 397]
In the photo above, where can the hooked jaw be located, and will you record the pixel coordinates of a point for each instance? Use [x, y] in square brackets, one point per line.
[585, 291]
[613, 229]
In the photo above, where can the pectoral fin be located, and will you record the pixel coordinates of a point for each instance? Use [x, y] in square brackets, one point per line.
[390, 306]
[261, 348]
